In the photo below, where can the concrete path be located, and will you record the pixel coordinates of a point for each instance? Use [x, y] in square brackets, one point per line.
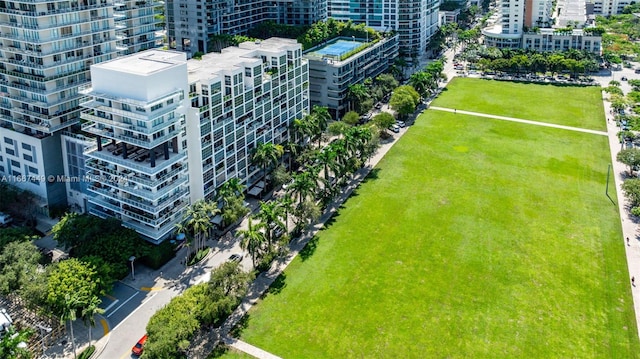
[512, 119]
[249, 349]
[629, 224]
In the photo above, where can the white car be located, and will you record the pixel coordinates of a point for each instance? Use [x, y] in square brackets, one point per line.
[395, 128]
[400, 123]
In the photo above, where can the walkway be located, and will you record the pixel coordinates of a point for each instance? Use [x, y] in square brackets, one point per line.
[512, 119]
[249, 349]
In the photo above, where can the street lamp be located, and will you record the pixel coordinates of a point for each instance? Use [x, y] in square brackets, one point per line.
[42, 336]
[353, 38]
[133, 271]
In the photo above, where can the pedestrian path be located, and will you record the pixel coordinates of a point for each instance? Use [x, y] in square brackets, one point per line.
[519, 120]
[629, 225]
[249, 349]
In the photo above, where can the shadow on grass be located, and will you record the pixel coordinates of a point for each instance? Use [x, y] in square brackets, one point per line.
[309, 249]
[243, 324]
[374, 174]
[278, 284]
[219, 351]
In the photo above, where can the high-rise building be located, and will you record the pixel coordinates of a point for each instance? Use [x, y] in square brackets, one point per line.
[185, 127]
[139, 161]
[414, 21]
[190, 24]
[246, 95]
[136, 25]
[46, 49]
[505, 27]
[609, 7]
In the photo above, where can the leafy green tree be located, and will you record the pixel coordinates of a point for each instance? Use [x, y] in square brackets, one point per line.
[12, 344]
[231, 280]
[351, 118]
[280, 176]
[356, 95]
[72, 281]
[420, 81]
[18, 265]
[337, 128]
[387, 82]
[630, 157]
[19, 234]
[631, 189]
[384, 120]
[404, 100]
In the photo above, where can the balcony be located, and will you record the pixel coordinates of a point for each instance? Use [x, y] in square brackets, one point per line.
[144, 167]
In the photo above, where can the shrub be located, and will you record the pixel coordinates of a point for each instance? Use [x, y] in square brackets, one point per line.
[158, 255]
[197, 257]
[86, 354]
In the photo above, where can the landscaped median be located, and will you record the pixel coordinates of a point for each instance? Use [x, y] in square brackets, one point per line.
[472, 238]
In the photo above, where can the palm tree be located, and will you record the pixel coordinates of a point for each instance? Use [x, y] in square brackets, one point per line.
[197, 224]
[356, 93]
[71, 305]
[231, 188]
[286, 205]
[320, 118]
[327, 159]
[301, 129]
[421, 82]
[252, 239]
[303, 186]
[90, 309]
[271, 215]
[291, 148]
[267, 154]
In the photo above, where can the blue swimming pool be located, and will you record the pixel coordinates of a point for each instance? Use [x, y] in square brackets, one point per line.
[338, 48]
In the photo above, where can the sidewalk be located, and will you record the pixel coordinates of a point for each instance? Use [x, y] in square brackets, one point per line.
[629, 225]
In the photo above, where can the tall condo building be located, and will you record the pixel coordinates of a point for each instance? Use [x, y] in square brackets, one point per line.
[609, 7]
[135, 25]
[190, 23]
[415, 21]
[139, 161]
[183, 128]
[245, 96]
[46, 49]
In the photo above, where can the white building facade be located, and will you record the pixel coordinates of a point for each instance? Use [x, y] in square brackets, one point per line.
[245, 96]
[136, 25]
[139, 161]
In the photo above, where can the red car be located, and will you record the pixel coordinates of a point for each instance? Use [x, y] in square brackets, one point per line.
[139, 347]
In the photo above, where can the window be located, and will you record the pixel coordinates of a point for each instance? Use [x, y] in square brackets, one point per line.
[26, 146]
[8, 141]
[126, 107]
[156, 107]
[27, 157]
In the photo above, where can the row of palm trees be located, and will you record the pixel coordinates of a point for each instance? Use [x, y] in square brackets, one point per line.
[322, 170]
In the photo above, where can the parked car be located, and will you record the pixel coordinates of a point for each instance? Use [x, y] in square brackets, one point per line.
[235, 257]
[401, 123]
[139, 347]
[378, 106]
[5, 219]
[395, 128]
[624, 78]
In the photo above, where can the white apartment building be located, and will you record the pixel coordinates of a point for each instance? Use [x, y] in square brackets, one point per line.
[504, 29]
[553, 40]
[537, 13]
[609, 7]
[414, 21]
[245, 95]
[139, 162]
[183, 128]
[136, 25]
[46, 49]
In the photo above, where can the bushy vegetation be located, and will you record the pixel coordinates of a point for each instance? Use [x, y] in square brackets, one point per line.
[220, 41]
[87, 235]
[325, 30]
[171, 328]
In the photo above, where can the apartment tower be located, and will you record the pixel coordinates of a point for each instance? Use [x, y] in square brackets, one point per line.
[46, 50]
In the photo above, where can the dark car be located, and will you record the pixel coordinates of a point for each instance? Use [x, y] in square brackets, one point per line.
[235, 258]
[139, 347]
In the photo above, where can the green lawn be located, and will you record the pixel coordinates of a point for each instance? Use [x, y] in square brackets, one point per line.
[478, 238]
[566, 105]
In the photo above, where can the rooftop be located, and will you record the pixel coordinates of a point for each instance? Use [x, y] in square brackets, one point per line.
[232, 58]
[145, 62]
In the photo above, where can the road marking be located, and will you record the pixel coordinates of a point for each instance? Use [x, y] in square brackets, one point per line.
[111, 297]
[151, 289]
[105, 326]
[130, 314]
[111, 305]
[120, 306]
[504, 118]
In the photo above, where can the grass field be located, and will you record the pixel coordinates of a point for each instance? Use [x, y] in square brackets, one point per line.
[474, 238]
[567, 105]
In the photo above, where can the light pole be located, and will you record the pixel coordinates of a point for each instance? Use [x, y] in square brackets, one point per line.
[42, 336]
[133, 271]
[353, 38]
